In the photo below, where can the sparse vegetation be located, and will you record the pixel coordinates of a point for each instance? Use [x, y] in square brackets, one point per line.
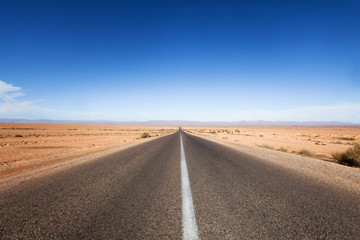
[261, 135]
[283, 149]
[266, 146]
[18, 135]
[350, 157]
[145, 135]
[307, 153]
[347, 138]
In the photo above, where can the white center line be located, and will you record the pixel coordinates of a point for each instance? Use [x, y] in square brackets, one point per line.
[190, 230]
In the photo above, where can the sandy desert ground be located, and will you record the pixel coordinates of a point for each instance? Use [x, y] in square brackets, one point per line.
[319, 142]
[25, 146]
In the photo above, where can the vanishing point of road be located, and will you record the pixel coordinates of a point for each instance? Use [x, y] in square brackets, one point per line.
[177, 187]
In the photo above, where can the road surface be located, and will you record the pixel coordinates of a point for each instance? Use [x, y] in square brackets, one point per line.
[142, 193]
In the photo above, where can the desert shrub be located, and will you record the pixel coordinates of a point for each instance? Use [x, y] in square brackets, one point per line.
[307, 153]
[145, 135]
[350, 157]
[347, 138]
[283, 149]
[266, 146]
[261, 135]
[18, 135]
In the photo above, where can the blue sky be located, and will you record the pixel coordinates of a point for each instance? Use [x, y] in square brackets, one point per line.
[180, 60]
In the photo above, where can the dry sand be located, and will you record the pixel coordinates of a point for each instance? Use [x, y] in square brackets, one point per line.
[320, 141]
[27, 146]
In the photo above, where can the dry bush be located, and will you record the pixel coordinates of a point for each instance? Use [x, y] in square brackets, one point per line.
[350, 157]
[307, 153]
[347, 138]
[283, 149]
[266, 146]
[145, 135]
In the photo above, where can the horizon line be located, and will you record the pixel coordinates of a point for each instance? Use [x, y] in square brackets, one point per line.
[181, 122]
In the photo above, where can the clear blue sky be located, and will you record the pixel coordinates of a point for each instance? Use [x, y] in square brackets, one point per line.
[184, 60]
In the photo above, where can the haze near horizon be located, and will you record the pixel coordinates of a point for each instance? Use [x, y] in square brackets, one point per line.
[188, 60]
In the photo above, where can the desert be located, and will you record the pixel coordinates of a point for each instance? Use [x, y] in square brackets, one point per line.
[27, 146]
[317, 142]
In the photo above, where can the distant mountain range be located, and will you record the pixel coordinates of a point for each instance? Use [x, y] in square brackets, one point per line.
[183, 123]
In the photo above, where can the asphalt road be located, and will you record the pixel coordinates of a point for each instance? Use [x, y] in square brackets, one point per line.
[137, 194]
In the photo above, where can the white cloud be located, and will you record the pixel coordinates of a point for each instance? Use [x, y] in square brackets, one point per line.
[8, 92]
[12, 108]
